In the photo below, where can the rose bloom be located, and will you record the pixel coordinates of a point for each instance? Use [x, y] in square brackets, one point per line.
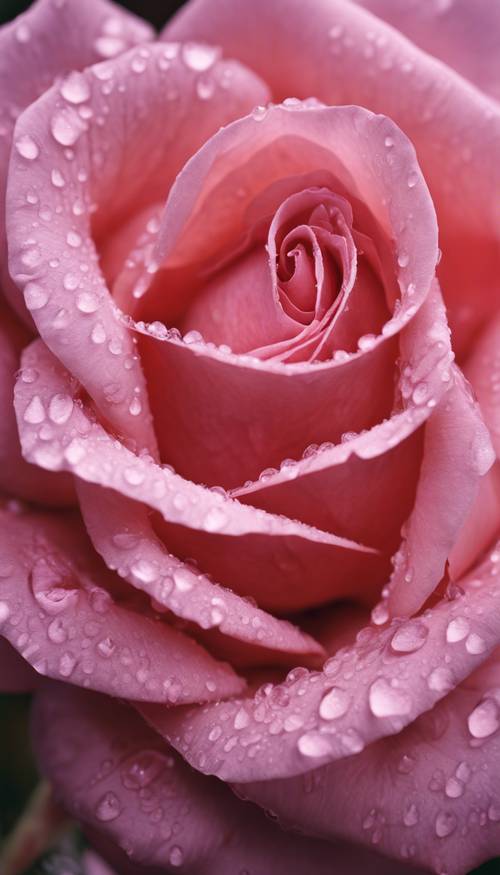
[250, 501]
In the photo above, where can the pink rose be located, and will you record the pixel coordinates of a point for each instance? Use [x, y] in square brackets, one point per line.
[237, 392]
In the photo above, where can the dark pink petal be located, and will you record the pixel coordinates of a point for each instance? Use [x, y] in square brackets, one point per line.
[16, 675]
[349, 56]
[47, 42]
[428, 796]
[239, 544]
[57, 611]
[369, 690]
[233, 182]
[461, 34]
[482, 369]
[125, 783]
[92, 163]
[18, 477]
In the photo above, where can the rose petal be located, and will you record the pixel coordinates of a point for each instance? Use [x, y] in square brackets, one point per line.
[17, 476]
[363, 693]
[49, 41]
[56, 610]
[461, 35]
[349, 56]
[78, 175]
[196, 519]
[430, 794]
[126, 783]
[206, 216]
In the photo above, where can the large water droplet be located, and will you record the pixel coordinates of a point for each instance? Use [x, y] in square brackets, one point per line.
[441, 680]
[60, 408]
[411, 815]
[199, 57]
[409, 637]
[143, 770]
[27, 147]
[387, 701]
[66, 127]
[108, 808]
[215, 520]
[457, 630]
[4, 613]
[35, 412]
[483, 721]
[446, 823]
[35, 296]
[313, 745]
[334, 704]
[75, 88]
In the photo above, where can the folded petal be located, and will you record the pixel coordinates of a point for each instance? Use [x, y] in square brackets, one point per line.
[18, 477]
[368, 690]
[47, 42]
[92, 164]
[235, 181]
[127, 784]
[463, 35]
[429, 796]
[348, 55]
[195, 519]
[57, 611]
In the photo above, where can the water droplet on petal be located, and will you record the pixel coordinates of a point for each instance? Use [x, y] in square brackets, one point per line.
[474, 644]
[441, 680]
[457, 630]
[387, 701]
[334, 704]
[108, 808]
[445, 825]
[411, 815]
[410, 637]
[4, 613]
[75, 88]
[98, 334]
[199, 57]
[215, 520]
[60, 408]
[35, 296]
[483, 721]
[184, 579]
[176, 856]
[313, 744]
[87, 302]
[66, 127]
[27, 147]
[35, 412]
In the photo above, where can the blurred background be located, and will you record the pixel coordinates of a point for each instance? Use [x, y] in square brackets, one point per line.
[18, 775]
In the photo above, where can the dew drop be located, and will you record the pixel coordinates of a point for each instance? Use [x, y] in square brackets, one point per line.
[411, 815]
[483, 721]
[412, 180]
[73, 239]
[108, 808]
[474, 644]
[445, 824]
[313, 745]
[144, 571]
[56, 631]
[65, 127]
[403, 259]
[242, 719]
[215, 520]
[35, 296]
[176, 856]
[334, 704]
[60, 408]
[4, 613]
[75, 88]
[410, 637]
[35, 412]
[386, 701]
[184, 579]
[57, 179]
[98, 334]
[27, 147]
[457, 630]
[199, 57]
[87, 302]
[106, 647]
[133, 476]
[440, 680]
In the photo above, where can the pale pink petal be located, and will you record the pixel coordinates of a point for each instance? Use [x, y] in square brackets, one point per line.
[457, 453]
[18, 477]
[482, 369]
[232, 183]
[369, 690]
[16, 675]
[462, 34]
[137, 119]
[428, 796]
[47, 42]
[239, 544]
[349, 56]
[59, 611]
[157, 809]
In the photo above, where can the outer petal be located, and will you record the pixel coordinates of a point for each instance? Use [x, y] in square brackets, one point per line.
[236, 179]
[349, 56]
[161, 812]
[81, 153]
[369, 690]
[48, 41]
[195, 519]
[17, 476]
[430, 795]
[56, 610]
[462, 34]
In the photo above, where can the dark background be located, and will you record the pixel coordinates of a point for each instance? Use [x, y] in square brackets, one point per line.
[17, 771]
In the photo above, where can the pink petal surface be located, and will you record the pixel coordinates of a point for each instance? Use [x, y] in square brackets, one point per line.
[430, 795]
[17, 476]
[349, 56]
[237, 178]
[196, 519]
[368, 690]
[77, 171]
[162, 813]
[57, 611]
[461, 34]
[47, 42]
